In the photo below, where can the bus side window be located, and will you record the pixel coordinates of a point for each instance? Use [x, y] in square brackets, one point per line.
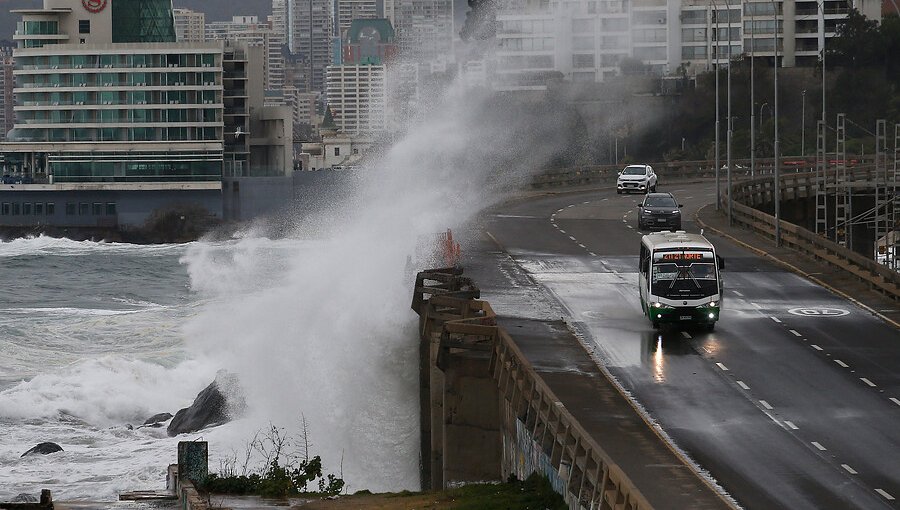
[645, 259]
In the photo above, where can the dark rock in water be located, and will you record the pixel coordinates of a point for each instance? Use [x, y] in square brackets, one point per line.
[44, 449]
[158, 418]
[24, 498]
[218, 403]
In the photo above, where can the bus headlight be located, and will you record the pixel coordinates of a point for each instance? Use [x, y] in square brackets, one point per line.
[711, 304]
[712, 315]
[660, 305]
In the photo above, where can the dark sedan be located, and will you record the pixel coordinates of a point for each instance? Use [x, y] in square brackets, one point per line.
[659, 211]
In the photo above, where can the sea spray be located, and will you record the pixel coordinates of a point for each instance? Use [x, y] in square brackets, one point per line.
[333, 338]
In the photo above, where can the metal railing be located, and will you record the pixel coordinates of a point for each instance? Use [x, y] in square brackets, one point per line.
[761, 191]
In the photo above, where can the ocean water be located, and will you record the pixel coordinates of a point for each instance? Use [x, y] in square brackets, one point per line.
[98, 336]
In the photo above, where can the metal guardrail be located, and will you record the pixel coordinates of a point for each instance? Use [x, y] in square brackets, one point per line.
[760, 191]
[447, 305]
[600, 174]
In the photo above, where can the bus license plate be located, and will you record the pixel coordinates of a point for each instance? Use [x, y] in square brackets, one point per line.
[685, 317]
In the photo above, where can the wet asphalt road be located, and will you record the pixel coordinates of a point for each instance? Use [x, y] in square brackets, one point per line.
[784, 409]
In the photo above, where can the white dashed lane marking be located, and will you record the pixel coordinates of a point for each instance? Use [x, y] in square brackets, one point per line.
[819, 446]
[743, 385]
[794, 332]
[572, 238]
[775, 319]
[841, 363]
[868, 382]
[583, 246]
[562, 231]
[895, 400]
[816, 347]
[766, 405]
[686, 334]
[723, 367]
[592, 254]
[737, 293]
[791, 425]
[884, 494]
[848, 469]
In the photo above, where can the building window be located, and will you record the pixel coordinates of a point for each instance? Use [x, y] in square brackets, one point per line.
[82, 40]
[4, 209]
[26, 209]
[97, 209]
[84, 26]
[16, 208]
[38, 208]
[83, 209]
[110, 208]
[70, 209]
[337, 151]
[51, 209]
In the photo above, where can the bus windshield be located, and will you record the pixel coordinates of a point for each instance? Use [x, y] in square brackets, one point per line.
[684, 275]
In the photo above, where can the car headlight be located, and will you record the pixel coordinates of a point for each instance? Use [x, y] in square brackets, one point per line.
[676, 211]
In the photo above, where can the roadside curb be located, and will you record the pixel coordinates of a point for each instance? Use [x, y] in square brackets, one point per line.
[794, 269]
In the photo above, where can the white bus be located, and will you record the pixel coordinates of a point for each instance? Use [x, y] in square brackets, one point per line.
[680, 279]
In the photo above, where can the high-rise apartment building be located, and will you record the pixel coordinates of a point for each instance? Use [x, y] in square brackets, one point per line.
[190, 26]
[106, 94]
[424, 28]
[248, 30]
[349, 10]
[310, 38]
[356, 90]
[586, 40]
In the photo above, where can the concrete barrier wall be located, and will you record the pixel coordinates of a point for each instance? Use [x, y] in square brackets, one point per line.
[486, 413]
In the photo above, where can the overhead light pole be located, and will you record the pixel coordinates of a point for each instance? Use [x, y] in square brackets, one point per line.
[715, 48]
[752, 99]
[729, 125]
[777, 154]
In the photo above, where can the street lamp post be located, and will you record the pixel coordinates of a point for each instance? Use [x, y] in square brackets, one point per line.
[729, 126]
[777, 155]
[803, 123]
[715, 47]
[752, 100]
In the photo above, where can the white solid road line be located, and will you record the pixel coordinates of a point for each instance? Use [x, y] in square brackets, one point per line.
[686, 334]
[870, 383]
[884, 494]
[848, 469]
[766, 405]
[795, 333]
[816, 347]
[819, 446]
[775, 319]
[791, 425]
[841, 363]
[743, 385]
[723, 367]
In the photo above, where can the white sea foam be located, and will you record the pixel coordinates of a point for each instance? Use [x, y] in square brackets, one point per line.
[46, 245]
[106, 391]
